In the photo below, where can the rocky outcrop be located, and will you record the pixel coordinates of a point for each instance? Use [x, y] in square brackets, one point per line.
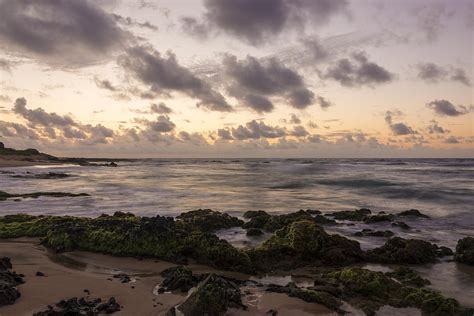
[465, 251]
[374, 233]
[356, 215]
[81, 306]
[412, 213]
[208, 220]
[213, 296]
[178, 279]
[8, 282]
[404, 251]
[301, 243]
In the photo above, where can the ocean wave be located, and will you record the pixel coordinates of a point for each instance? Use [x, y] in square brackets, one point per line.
[357, 183]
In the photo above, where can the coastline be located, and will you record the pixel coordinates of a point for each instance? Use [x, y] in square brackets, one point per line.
[68, 275]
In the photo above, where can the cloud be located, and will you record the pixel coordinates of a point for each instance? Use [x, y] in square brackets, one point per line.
[160, 108]
[195, 28]
[128, 21]
[257, 130]
[259, 21]
[60, 33]
[254, 81]
[323, 102]
[5, 65]
[105, 84]
[398, 129]
[294, 119]
[162, 124]
[433, 73]
[299, 131]
[163, 75]
[224, 134]
[451, 140]
[446, 108]
[52, 125]
[431, 18]
[434, 128]
[358, 71]
[5, 98]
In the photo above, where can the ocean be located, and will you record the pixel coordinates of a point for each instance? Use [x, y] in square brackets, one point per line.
[440, 188]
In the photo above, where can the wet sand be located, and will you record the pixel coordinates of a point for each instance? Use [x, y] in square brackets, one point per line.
[68, 275]
[14, 162]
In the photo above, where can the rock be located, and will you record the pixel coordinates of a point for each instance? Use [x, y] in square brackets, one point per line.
[374, 233]
[252, 214]
[254, 232]
[208, 220]
[369, 290]
[356, 215]
[408, 277]
[301, 243]
[272, 312]
[8, 282]
[271, 223]
[379, 218]
[444, 251]
[310, 296]
[412, 213]
[75, 306]
[213, 296]
[123, 278]
[404, 251]
[465, 251]
[2, 145]
[402, 225]
[178, 278]
[313, 212]
[39, 274]
[112, 164]
[171, 312]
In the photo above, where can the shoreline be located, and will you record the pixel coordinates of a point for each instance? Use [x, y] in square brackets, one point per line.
[68, 275]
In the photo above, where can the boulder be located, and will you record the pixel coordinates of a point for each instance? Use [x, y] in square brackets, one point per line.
[356, 215]
[465, 251]
[254, 232]
[178, 279]
[404, 251]
[212, 297]
[374, 233]
[208, 220]
[412, 213]
[8, 282]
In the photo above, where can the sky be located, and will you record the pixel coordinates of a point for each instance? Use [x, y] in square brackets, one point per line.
[238, 78]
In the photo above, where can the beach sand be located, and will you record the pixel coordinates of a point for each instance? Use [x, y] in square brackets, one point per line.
[14, 161]
[68, 275]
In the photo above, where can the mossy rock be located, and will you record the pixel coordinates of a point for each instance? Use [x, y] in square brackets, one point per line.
[251, 232]
[271, 223]
[408, 277]
[301, 243]
[212, 297]
[356, 215]
[208, 220]
[178, 278]
[252, 214]
[465, 251]
[404, 251]
[412, 213]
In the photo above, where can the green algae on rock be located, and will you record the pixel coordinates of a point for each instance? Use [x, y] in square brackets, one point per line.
[356, 215]
[370, 290]
[302, 243]
[465, 251]
[404, 251]
[271, 223]
[208, 220]
[213, 296]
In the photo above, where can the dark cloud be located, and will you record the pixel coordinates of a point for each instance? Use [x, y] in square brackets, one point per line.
[41, 117]
[317, 51]
[398, 129]
[294, 119]
[257, 130]
[451, 140]
[163, 75]
[446, 108]
[434, 128]
[299, 131]
[105, 84]
[358, 71]
[162, 124]
[160, 108]
[60, 32]
[53, 125]
[433, 73]
[258, 103]
[11, 129]
[257, 21]
[224, 133]
[323, 102]
[253, 81]
[128, 21]
[195, 28]
[460, 75]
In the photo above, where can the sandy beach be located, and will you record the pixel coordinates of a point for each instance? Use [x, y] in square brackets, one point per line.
[9, 162]
[68, 275]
